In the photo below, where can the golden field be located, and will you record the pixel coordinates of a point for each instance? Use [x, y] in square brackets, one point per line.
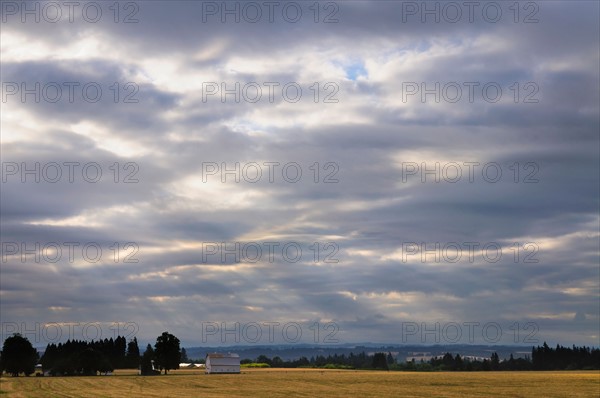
[310, 383]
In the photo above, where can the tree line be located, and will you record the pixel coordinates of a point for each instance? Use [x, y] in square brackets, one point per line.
[542, 358]
[546, 358]
[76, 357]
[352, 361]
[90, 358]
[83, 358]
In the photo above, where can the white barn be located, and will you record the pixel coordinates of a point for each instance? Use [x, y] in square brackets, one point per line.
[222, 363]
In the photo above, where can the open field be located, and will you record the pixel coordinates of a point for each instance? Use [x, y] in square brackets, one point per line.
[311, 383]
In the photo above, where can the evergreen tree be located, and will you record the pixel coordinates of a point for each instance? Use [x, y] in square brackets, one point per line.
[184, 357]
[458, 363]
[380, 361]
[390, 358]
[448, 361]
[132, 358]
[495, 361]
[146, 361]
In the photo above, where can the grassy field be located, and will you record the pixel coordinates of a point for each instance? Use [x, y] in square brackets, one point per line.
[310, 383]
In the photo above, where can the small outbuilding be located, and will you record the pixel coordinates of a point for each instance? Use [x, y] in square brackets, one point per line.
[222, 363]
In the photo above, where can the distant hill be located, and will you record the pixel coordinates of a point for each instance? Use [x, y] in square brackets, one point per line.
[399, 352]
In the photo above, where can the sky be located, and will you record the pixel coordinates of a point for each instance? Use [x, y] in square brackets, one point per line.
[300, 172]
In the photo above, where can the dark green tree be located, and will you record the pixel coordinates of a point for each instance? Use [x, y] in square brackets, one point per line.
[119, 352]
[495, 361]
[263, 359]
[184, 357]
[51, 355]
[132, 359]
[18, 356]
[146, 361]
[380, 361]
[90, 362]
[448, 361]
[168, 354]
[277, 362]
[390, 358]
[458, 362]
[485, 365]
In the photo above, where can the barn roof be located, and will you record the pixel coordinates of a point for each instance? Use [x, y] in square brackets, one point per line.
[222, 355]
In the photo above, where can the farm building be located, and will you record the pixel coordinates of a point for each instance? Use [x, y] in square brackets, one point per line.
[185, 365]
[222, 363]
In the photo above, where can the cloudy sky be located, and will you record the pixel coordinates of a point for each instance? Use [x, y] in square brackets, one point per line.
[380, 171]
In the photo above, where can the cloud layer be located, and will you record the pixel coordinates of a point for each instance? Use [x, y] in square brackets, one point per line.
[429, 172]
